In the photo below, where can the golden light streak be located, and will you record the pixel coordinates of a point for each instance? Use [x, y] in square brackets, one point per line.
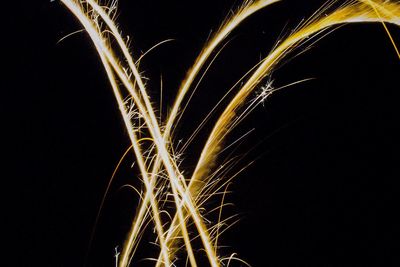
[248, 9]
[352, 13]
[151, 121]
[376, 9]
[160, 158]
[99, 43]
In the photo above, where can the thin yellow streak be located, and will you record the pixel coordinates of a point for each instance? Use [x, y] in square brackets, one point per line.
[372, 4]
[69, 35]
[106, 193]
[226, 29]
[232, 257]
[152, 48]
[198, 83]
[219, 217]
[161, 97]
[256, 101]
[207, 117]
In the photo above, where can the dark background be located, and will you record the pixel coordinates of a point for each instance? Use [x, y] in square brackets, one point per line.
[323, 191]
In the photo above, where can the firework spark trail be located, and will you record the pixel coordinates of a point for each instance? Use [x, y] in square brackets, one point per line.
[247, 10]
[134, 139]
[348, 14]
[189, 198]
[98, 42]
[378, 9]
[91, 29]
[351, 12]
[149, 116]
[151, 121]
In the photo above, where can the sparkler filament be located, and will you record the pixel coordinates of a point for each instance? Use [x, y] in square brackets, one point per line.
[140, 119]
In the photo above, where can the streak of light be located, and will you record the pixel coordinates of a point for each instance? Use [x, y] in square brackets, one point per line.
[160, 164]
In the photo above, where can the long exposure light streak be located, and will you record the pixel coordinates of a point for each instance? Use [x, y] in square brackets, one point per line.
[160, 156]
[151, 121]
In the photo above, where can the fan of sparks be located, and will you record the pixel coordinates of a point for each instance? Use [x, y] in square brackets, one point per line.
[179, 234]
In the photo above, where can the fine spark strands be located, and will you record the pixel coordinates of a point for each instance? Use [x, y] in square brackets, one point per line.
[158, 162]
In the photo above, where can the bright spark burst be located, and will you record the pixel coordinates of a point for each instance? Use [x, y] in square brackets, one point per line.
[159, 164]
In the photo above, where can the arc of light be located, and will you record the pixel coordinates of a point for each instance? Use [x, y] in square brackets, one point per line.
[91, 29]
[150, 118]
[219, 37]
[225, 30]
[348, 14]
[376, 9]
[154, 130]
[354, 13]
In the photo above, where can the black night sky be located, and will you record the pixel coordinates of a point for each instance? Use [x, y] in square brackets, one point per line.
[324, 190]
